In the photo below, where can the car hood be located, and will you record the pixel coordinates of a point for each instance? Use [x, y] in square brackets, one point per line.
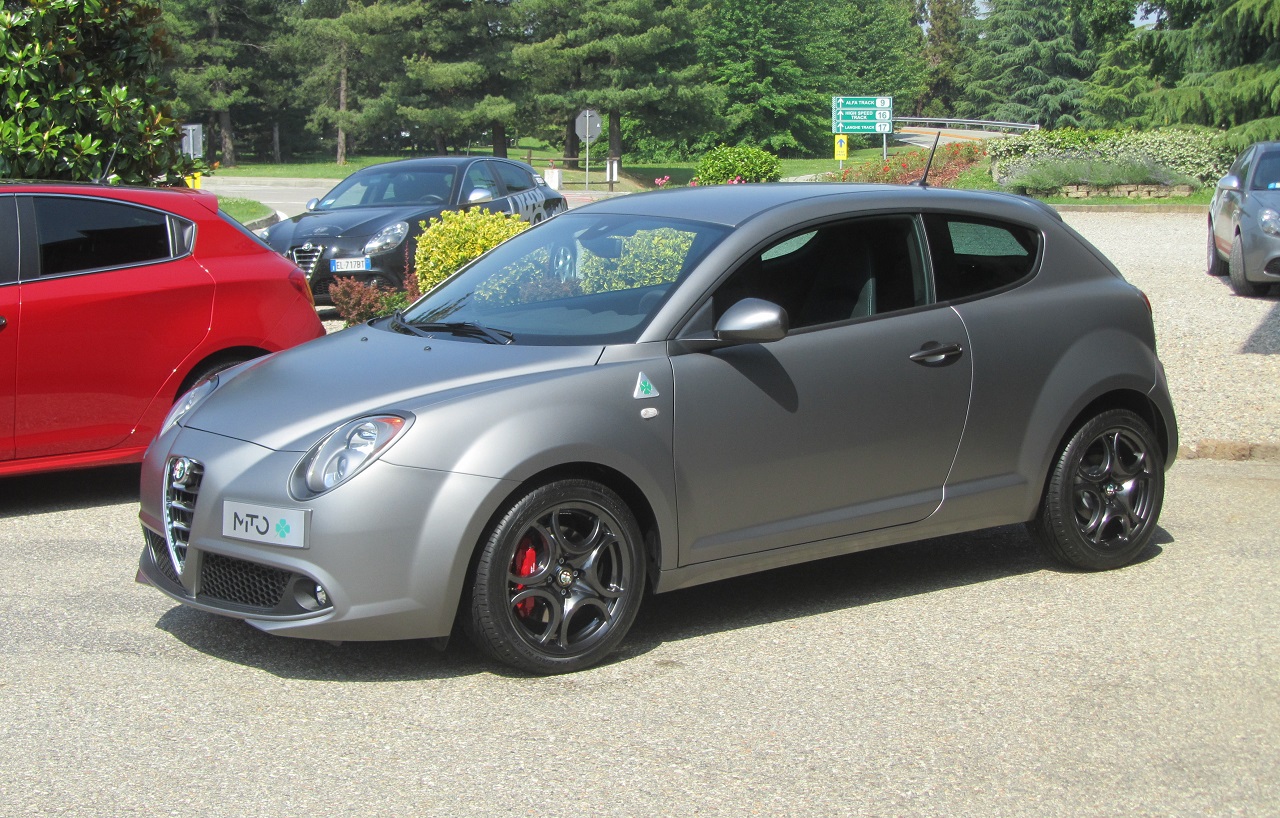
[349, 222]
[288, 401]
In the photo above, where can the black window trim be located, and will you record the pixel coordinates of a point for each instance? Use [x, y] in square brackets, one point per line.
[28, 237]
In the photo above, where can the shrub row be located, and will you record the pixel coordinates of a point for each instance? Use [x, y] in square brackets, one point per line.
[1199, 153]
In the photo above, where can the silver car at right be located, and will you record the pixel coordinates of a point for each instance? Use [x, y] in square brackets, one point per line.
[1244, 221]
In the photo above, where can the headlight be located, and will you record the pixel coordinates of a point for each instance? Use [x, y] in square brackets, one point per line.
[1269, 220]
[386, 238]
[193, 398]
[344, 452]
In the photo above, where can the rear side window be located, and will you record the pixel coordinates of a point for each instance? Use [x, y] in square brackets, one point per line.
[78, 234]
[976, 256]
[516, 179]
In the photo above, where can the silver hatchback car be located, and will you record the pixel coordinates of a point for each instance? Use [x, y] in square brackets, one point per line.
[1244, 221]
[662, 390]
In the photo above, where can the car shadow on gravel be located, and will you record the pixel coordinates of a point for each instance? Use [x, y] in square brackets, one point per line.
[1265, 340]
[68, 490]
[799, 591]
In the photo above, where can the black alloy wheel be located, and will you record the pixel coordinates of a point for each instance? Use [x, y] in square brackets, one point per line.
[1104, 495]
[559, 581]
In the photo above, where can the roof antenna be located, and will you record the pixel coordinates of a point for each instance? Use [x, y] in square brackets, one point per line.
[923, 181]
[107, 170]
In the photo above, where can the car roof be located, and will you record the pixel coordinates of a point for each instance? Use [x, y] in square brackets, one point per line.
[734, 205]
[427, 162]
[179, 200]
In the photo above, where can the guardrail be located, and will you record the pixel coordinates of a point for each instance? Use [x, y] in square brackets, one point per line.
[984, 124]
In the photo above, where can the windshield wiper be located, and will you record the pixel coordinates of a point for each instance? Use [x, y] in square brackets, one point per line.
[398, 324]
[465, 328]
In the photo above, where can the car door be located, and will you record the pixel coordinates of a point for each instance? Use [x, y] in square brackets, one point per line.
[1227, 202]
[113, 302]
[10, 304]
[483, 175]
[848, 424]
[524, 196]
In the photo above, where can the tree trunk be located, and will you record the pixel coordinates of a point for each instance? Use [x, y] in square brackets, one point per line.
[342, 109]
[572, 144]
[500, 140]
[228, 144]
[275, 142]
[442, 149]
[615, 134]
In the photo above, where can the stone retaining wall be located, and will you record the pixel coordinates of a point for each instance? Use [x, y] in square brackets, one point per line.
[1124, 191]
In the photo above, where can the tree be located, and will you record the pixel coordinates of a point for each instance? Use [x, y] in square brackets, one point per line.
[625, 57]
[947, 44]
[1028, 65]
[81, 97]
[1217, 63]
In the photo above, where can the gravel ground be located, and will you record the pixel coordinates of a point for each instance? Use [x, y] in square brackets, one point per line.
[1221, 352]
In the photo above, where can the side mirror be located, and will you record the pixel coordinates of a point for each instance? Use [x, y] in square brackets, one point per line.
[1229, 182]
[479, 196]
[753, 320]
[312, 204]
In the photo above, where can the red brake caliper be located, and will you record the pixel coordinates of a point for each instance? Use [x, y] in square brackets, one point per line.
[526, 562]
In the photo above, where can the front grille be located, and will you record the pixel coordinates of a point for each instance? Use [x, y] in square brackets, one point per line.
[182, 485]
[243, 583]
[306, 257]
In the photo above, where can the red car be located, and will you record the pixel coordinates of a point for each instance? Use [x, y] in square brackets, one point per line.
[113, 302]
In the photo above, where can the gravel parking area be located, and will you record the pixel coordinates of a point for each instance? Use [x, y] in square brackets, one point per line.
[1221, 352]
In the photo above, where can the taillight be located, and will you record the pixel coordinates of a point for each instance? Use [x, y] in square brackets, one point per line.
[299, 281]
[1146, 301]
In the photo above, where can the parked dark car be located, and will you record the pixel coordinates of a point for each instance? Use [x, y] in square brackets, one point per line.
[661, 390]
[365, 226]
[116, 300]
[1244, 221]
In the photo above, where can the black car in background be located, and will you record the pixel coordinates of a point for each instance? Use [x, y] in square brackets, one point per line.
[364, 226]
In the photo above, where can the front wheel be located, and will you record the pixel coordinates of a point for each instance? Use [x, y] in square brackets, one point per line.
[559, 581]
[1104, 494]
[1235, 270]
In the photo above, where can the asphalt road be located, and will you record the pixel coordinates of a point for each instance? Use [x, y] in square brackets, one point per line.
[964, 676]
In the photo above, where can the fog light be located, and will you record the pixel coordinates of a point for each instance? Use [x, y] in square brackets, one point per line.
[322, 596]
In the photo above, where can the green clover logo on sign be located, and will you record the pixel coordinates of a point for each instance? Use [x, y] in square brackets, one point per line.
[282, 528]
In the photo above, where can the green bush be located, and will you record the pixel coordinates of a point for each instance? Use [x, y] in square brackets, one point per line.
[81, 95]
[726, 165]
[1200, 153]
[455, 238]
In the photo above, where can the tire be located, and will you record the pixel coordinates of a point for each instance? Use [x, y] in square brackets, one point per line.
[1217, 266]
[559, 580]
[206, 371]
[1104, 495]
[1235, 269]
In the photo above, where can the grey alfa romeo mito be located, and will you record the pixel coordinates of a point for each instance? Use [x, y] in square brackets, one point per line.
[662, 390]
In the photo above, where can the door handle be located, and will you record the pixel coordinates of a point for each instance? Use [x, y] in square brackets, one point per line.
[936, 354]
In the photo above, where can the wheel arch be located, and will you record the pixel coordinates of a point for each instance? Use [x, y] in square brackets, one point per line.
[228, 357]
[614, 480]
[1130, 399]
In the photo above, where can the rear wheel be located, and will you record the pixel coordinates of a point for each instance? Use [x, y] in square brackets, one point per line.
[559, 580]
[1235, 268]
[1217, 266]
[1104, 495]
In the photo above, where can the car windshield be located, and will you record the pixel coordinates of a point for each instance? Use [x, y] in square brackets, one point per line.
[576, 279]
[1267, 175]
[391, 187]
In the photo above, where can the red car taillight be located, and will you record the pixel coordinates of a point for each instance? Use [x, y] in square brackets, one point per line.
[299, 281]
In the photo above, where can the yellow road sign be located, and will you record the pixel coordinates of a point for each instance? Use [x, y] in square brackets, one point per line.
[842, 147]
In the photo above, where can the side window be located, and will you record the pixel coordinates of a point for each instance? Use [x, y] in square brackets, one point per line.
[480, 175]
[1240, 167]
[974, 256]
[85, 234]
[837, 272]
[514, 177]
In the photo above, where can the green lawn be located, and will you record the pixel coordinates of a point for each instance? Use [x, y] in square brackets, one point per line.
[243, 210]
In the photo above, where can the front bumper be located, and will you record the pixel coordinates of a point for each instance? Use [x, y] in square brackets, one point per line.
[390, 548]
[313, 259]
